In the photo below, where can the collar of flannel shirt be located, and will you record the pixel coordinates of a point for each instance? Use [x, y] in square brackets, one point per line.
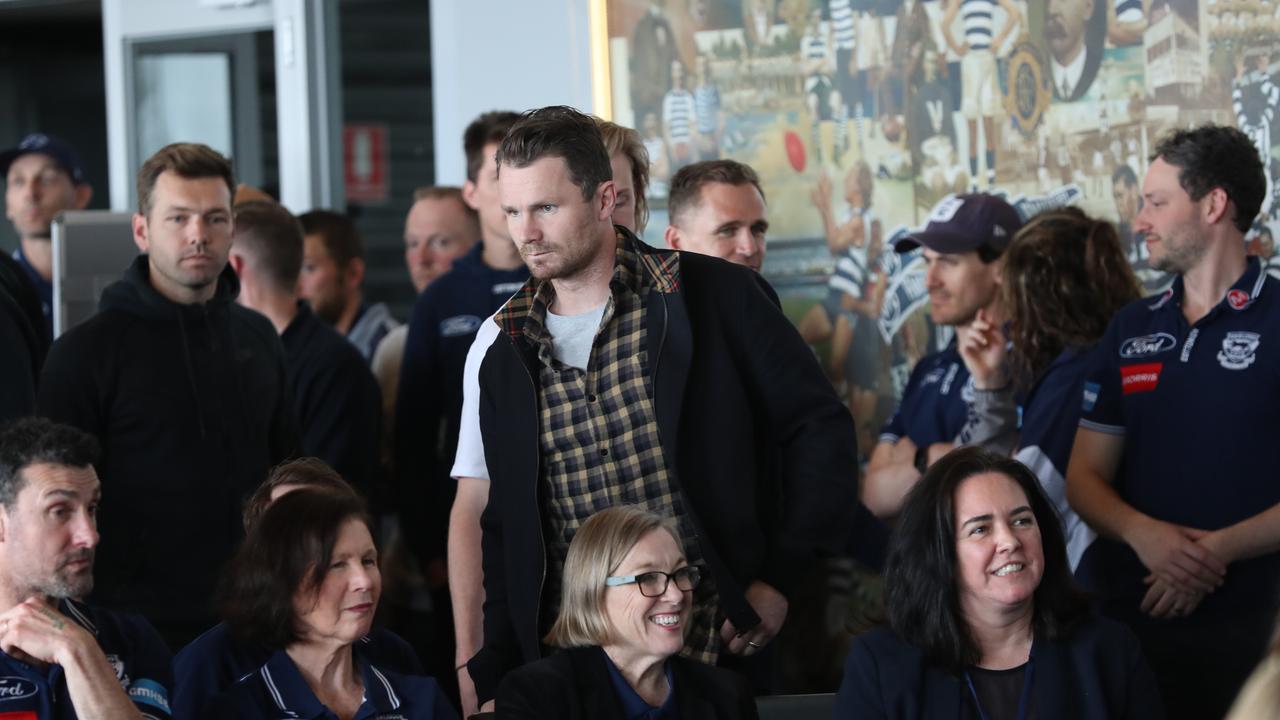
[636, 269]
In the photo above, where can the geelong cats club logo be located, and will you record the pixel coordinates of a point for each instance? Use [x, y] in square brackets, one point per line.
[1239, 350]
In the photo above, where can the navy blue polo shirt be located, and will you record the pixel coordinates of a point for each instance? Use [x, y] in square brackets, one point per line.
[214, 661]
[1199, 408]
[277, 689]
[935, 403]
[635, 707]
[1050, 415]
[133, 648]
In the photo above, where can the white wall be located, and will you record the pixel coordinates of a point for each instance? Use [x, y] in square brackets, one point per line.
[154, 19]
[503, 55]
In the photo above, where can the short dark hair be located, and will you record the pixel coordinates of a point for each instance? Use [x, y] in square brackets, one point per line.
[920, 593]
[188, 160]
[307, 472]
[686, 185]
[338, 233]
[272, 236]
[559, 131]
[35, 440]
[1124, 175]
[287, 551]
[1217, 156]
[487, 129]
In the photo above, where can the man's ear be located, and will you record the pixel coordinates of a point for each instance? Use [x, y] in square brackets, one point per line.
[1217, 207]
[608, 199]
[237, 263]
[996, 267]
[672, 236]
[140, 232]
[469, 195]
[353, 275]
[84, 193]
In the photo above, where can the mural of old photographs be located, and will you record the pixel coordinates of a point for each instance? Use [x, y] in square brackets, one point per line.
[860, 115]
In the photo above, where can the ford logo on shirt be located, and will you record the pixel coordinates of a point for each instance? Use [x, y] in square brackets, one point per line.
[1146, 345]
[16, 688]
[459, 325]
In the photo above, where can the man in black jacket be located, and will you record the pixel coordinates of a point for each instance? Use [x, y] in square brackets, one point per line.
[623, 374]
[184, 389]
[335, 398]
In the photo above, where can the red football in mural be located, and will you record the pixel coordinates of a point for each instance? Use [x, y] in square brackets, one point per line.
[795, 150]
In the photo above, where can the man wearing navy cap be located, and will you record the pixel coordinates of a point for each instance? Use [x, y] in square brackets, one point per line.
[43, 177]
[963, 240]
[1173, 462]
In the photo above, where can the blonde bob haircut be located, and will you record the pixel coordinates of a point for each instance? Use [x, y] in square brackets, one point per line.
[596, 552]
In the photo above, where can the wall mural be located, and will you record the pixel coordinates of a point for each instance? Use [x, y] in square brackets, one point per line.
[859, 115]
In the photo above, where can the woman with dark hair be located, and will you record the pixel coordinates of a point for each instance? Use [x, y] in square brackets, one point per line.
[984, 620]
[306, 584]
[1064, 276]
[214, 661]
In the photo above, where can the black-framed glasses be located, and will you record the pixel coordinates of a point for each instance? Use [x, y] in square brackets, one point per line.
[654, 583]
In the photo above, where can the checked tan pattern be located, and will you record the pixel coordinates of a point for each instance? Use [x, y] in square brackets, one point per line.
[599, 433]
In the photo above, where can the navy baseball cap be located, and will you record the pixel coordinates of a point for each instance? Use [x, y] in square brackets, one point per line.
[963, 223]
[47, 145]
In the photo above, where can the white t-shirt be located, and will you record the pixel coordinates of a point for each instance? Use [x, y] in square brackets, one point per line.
[469, 460]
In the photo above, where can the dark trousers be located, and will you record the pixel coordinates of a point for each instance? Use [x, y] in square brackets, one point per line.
[1200, 668]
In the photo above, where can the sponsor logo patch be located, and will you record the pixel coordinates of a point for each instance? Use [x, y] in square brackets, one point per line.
[16, 688]
[459, 325]
[1239, 350]
[149, 692]
[1145, 345]
[19, 715]
[1142, 377]
[1237, 298]
[1091, 390]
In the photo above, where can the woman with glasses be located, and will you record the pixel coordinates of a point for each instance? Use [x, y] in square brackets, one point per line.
[624, 605]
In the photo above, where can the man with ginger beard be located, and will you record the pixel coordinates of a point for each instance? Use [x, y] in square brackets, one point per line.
[61, 657]
[598, 347]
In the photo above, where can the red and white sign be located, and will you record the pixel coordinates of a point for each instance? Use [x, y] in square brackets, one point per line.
[1142, 377]
[364, 162]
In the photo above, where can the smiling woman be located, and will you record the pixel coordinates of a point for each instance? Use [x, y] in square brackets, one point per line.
[984, 620]
[624, 606]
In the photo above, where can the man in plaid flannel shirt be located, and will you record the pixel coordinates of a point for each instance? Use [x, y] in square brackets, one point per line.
[624, 374]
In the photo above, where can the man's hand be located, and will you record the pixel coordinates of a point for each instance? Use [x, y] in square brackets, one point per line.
[771, 606]
[32, 630]
[1163, 601]
[1172, 554]
[985, 353]
[904, 452]
[467, 693]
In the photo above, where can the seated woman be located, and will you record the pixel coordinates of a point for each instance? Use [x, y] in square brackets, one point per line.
[214, 661]
[1064, 276]
[306, 584]
[623, 611]
[984, 622]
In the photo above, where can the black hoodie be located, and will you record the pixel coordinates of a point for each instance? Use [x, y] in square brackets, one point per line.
[191, 406]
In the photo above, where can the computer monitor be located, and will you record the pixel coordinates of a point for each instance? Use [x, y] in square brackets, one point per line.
[91, 249]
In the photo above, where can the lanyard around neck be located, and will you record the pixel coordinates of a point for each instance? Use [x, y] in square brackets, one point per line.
[1023, 700]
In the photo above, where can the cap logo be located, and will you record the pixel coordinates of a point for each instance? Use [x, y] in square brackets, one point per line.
[946, 210]
[999, 231]
[35, 141]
